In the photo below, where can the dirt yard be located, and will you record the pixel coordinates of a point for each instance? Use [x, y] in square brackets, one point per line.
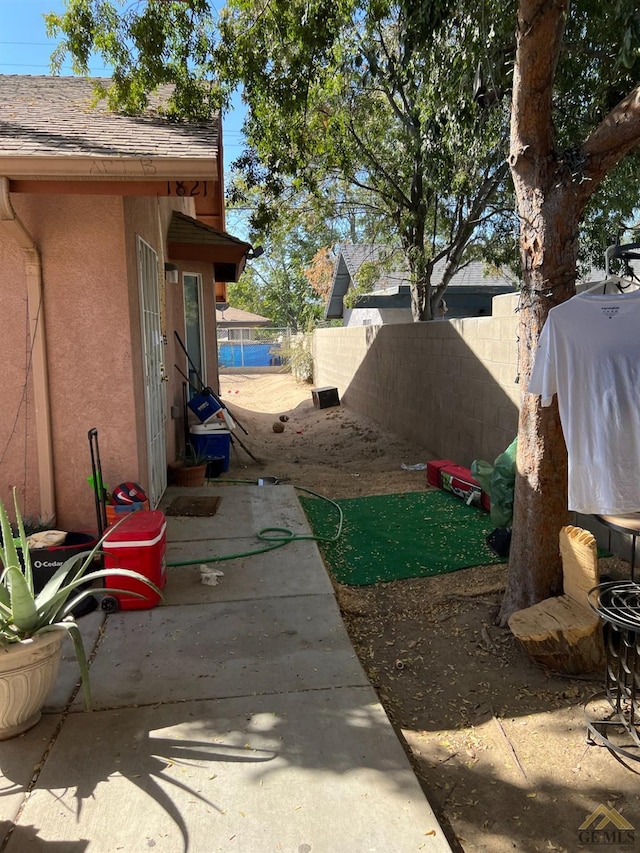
[498, 745]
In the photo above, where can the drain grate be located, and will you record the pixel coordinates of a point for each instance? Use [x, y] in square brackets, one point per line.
[196, 507]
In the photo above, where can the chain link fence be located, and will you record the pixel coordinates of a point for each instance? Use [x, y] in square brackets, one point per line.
[253, 347]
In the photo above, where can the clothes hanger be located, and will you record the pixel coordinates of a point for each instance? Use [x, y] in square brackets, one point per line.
[625, 251]
[603, 283]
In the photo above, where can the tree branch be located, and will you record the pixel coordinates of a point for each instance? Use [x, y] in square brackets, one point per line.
[611, 140]
[404, 200]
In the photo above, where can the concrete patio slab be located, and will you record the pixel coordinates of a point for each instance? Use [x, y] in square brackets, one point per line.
[231, 718]
[19, 760]
[290, 570]
[206, 651]
[317, 771]
[244, 510]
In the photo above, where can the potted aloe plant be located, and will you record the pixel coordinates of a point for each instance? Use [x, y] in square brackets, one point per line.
[190, 469]
[33, 624]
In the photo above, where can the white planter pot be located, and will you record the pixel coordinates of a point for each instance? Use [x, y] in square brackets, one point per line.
[27, 672]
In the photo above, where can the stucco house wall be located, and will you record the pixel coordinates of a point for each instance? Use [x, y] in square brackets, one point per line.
[91, 312]
[85, 311]
[18, 461]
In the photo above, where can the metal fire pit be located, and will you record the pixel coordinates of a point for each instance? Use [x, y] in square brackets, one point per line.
[617, 603]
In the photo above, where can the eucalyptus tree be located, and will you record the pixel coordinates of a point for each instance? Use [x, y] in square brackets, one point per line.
[575, 118]
[379, 96]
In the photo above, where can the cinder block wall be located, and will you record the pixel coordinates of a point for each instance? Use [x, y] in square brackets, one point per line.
[449, 385]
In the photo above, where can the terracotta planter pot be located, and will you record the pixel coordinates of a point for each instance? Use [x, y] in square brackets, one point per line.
[27, 673]
[193, 475]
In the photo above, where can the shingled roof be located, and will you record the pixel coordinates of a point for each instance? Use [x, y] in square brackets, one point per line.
[54, 117]
[235, 318]
[394, 286]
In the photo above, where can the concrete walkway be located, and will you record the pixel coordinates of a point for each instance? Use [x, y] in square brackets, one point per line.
[234, 717]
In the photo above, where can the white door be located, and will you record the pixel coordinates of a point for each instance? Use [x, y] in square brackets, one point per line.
[153, 357]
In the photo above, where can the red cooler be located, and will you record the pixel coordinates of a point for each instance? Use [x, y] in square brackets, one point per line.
[138, 543]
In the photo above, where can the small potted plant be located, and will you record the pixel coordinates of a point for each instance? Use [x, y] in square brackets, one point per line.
[190, 469]
[33, 624]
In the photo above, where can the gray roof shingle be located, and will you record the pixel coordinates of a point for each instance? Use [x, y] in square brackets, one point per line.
[186, 229]
[398, 279]
[53, 116]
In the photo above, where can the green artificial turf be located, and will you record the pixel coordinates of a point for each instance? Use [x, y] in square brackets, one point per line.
[410, 535]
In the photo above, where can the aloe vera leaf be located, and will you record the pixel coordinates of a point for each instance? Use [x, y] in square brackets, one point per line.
[26, 556]
[8, 553]
[23, 606]
[78, 646]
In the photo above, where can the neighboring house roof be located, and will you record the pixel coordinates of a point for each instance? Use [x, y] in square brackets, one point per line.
[350, 259]
[235, 318]
[392, 290]
[53, 117]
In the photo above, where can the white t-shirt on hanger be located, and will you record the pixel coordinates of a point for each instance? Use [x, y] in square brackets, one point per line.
[589, 355]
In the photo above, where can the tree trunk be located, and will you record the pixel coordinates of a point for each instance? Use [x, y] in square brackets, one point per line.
[421, 272]
[420, 302]
[550, 202]
[548, 252]
[540, 506]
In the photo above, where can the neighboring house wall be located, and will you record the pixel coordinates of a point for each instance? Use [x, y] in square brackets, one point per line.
[448, 385]
[375, 316]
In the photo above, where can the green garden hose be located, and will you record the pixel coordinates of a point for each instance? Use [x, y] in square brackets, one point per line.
[277, 536]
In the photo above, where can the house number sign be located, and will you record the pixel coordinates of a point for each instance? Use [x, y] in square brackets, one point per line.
[189, 189]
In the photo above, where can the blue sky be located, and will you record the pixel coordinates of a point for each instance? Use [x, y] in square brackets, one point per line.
[25, 49]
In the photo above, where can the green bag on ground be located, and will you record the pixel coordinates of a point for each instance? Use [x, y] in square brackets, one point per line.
[498, 481]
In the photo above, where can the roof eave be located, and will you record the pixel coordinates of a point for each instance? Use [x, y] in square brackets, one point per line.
[100, 168]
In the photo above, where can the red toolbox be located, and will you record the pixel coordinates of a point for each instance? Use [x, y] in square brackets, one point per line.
[138, 543]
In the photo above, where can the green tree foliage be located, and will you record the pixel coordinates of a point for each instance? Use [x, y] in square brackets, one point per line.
[275, 284]
[275, 287]
[379, 94]
[147, 44]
